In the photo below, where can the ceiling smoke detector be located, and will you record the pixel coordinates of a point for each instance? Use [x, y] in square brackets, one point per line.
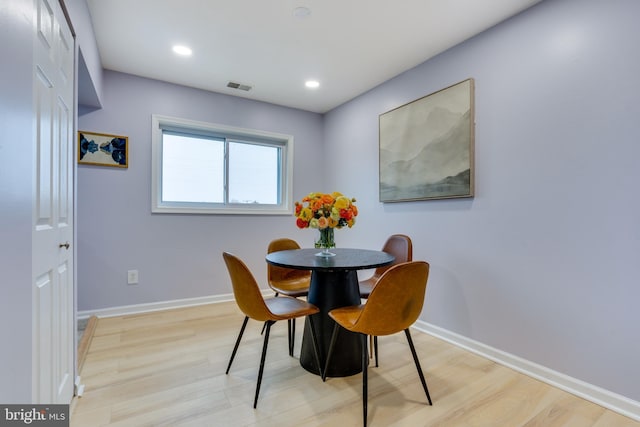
[240, 86]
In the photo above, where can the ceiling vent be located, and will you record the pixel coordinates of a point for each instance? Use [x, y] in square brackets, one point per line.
[239, 86]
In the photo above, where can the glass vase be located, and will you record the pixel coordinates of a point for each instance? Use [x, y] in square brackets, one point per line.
[326, 242]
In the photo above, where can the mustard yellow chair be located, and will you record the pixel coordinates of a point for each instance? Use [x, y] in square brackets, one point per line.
[253, 305]
[393, 306]
[287, 281]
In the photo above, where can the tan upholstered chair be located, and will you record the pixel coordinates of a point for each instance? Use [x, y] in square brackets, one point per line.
[398, 245]
[393, 306]
[401, 247]
[270, 310]
[287, 281]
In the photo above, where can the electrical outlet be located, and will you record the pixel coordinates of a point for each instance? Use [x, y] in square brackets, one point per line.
[132, 277]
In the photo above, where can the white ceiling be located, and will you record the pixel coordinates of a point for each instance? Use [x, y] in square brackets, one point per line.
[349, 46]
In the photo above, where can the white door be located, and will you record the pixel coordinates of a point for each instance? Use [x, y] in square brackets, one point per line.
[53, 281]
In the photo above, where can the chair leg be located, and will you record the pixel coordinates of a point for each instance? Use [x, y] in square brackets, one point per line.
[415, 359]
[375, 349]
[334, 336]
[264, 355]
[235, 348]
[316, 350]
[291, 326]
[365, 364]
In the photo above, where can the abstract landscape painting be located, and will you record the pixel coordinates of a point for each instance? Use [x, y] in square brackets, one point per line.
[426, 147]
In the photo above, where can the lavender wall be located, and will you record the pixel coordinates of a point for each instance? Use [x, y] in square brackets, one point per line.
[178, 256]
[544, 262]
[16, 148]
[89, 65]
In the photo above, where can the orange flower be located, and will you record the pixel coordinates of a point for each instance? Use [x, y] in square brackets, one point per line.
[323, 222]
[327, 199]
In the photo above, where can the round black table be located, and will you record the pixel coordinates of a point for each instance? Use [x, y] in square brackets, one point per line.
[334, 283]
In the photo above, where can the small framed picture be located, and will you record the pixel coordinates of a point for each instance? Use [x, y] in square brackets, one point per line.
[103, 149]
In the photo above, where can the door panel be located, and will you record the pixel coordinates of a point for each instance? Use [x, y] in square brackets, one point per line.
[53, 320]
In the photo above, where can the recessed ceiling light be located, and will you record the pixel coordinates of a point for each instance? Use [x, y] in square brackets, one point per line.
[301, 12]
[182, 50]
[312, 84]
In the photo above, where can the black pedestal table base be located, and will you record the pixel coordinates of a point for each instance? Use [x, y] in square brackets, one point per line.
[331, 290]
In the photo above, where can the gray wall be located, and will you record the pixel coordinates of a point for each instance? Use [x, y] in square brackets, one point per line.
[16, 149]
[177, 256]
[544, 261]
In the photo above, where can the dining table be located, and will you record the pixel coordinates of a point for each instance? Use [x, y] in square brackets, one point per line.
[334, 283]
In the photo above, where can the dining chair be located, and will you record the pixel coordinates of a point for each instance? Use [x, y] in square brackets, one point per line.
[287, 281]
[393, 306]
[401, 247]
[398, 245]
[250, 301]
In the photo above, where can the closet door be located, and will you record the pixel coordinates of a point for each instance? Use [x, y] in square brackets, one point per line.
[52, 233]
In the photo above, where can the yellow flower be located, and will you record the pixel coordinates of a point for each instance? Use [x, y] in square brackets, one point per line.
[342, 202]
[306, 214]
[335, 214]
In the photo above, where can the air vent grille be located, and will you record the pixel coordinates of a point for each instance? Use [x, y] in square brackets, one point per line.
[239, 86]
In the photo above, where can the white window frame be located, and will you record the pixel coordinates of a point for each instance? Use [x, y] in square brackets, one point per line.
[159, 122]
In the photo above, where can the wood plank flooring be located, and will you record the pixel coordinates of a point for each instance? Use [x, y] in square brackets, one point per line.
[167, 369]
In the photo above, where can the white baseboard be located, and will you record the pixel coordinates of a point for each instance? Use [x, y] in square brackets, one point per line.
[157, 306]
[613, 401]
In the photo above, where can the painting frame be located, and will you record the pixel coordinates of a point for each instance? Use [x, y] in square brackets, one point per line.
[103, 149]
[426, 146]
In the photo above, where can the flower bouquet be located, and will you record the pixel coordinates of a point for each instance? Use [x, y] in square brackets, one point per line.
[325, 212]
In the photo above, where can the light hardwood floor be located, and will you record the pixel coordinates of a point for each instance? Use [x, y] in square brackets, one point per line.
[167, 369]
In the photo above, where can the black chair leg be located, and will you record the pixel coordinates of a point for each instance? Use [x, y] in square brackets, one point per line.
[316, 349]
[334, 336]
[415, 359]
[291, 326]
[268, 324]
[365, 363]
[375, 349]
[235, 348]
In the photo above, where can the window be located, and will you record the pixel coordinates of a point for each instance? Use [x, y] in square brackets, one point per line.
[207, 168]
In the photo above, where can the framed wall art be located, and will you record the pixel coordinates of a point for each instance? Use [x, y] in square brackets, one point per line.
[103, 149]
[427, 147]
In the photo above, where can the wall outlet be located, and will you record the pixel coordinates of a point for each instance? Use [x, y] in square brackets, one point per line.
[132, 277]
